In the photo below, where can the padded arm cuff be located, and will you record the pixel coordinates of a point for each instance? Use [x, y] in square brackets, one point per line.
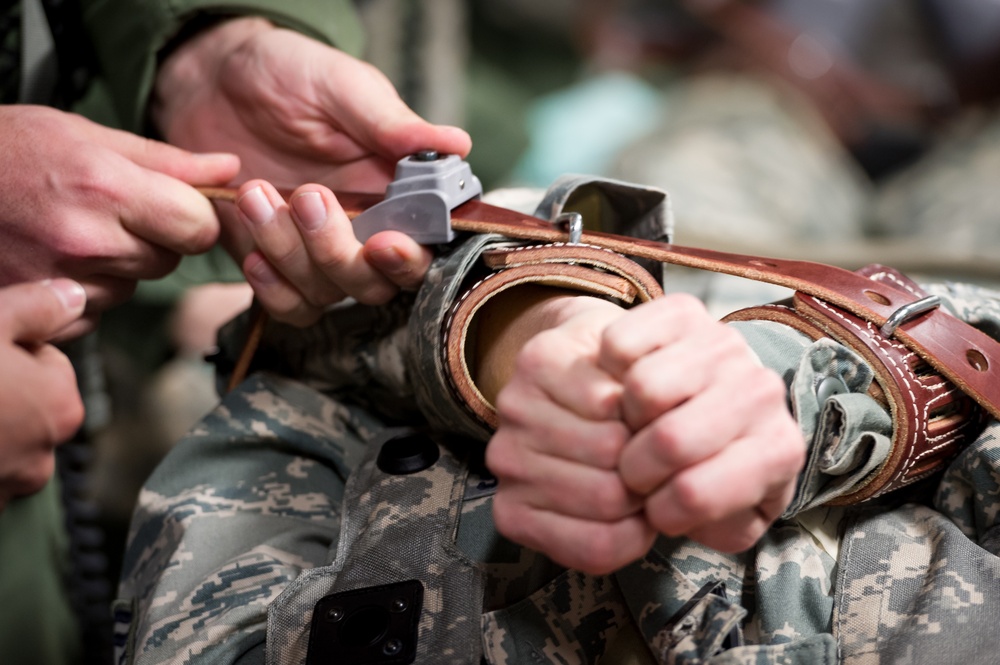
[589, 270]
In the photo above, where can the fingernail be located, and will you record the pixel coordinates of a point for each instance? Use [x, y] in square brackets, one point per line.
[388, 259]
[263, 272]
[256, 206]
[71, 294]
[310, 210]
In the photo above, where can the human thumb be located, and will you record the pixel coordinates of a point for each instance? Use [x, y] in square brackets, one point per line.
[35, 312]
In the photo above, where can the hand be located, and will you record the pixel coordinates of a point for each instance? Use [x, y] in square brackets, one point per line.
[610, 432]
[100, 206]
[558, 444]
[39, 403]
[296, 111]
[309, 241]
[714, 451]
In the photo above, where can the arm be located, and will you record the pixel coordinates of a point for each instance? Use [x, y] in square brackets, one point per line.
[100, 206]
[39, 403]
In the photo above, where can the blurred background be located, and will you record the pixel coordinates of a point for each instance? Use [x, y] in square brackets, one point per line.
[845, 131]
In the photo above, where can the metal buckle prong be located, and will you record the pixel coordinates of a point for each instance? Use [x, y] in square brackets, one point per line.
[907, 312]
[573, 222]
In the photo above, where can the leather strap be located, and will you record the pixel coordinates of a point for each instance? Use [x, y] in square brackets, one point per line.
[932, 419]
[963, 354]
[575, 267]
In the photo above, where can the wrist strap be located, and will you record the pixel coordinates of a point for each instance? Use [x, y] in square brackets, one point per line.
[932, 419]
[582, 268]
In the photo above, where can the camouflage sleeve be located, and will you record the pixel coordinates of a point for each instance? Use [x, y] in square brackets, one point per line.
[237, 510]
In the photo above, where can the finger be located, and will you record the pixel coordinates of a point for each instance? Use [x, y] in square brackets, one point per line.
[754, 472]
[118, 254]
[543, 426]
[106, 291]
[151, 181]
[574, 490]
[399, 258]
[558, 484]
[157, 208]
[696, 430]
[648, 327]
[65, 413]
[380, 119]
[35, 312]
[189, 167]
[591, 547]
[736, 533]
[282, 301]
[334, 249]
[708, 353]
[268, 218]
[561, 364]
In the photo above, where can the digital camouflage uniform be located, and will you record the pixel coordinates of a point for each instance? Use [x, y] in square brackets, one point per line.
[276, 499]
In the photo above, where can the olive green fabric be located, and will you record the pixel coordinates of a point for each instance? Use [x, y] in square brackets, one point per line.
[128, 40]
[38, 625]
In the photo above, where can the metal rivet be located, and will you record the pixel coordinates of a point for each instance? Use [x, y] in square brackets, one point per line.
[392, 647]
[335, 614]
[830, 386]
[398, 605]
[427, 156]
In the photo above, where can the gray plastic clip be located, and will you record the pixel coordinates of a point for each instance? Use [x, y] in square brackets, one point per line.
[419, 200]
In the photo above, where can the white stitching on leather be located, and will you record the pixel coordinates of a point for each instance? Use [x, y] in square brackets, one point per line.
[880, 341]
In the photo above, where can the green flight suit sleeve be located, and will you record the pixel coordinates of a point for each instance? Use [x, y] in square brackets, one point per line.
[128, 36]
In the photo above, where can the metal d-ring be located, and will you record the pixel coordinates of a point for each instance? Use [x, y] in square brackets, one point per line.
[907, 312]
[573, 222]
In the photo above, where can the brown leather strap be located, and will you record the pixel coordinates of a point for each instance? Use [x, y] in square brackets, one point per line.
[932, 419]
[963, 354]
[577, 268]
[966, 356]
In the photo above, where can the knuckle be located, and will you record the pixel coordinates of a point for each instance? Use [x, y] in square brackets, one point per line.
[502, 458]
[512, 407]
[616, 349]
[692, 499]
[667, 443]
[67, 417]
[729, 343]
